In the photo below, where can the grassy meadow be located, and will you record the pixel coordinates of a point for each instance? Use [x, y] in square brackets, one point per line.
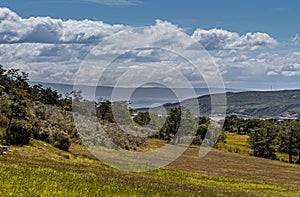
[42, 170]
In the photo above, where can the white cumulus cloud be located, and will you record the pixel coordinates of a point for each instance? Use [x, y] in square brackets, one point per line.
[14, 29]
[219, 39]
[52, 50]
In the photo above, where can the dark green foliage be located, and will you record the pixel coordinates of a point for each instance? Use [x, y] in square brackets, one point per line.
[19, 133]
[202, 130]
[17, 110]
[171, 125]
[17, 100]
[61, 141]
[49, 97]
[19, 78]
[72, 132]
[233, 123]
[3, 123]
[38, 133]
[250, 124]
[268, 136]
[180, 126]
[45, 95]
[104, 111]
[289, 140]
[143, 118]
[263, 141]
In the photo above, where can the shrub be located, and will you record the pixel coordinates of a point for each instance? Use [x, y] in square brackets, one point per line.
[3, 121]
[61, 141]
[19, 133]
[197, 140]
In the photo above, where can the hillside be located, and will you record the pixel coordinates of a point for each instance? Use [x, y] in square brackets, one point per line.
[42, 170]
[261, 104]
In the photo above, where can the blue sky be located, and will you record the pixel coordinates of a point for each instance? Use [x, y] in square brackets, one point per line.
[256, 44]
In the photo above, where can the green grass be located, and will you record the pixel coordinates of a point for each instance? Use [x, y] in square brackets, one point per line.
[235, 140]
[42, 170]
[239, 143]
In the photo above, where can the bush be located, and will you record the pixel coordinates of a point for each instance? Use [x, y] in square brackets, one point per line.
[61, 141]
[2, 121]
[19, 133]
[197, 140]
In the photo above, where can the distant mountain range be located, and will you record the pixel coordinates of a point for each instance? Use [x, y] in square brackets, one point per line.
[139, 97]
[259, 104]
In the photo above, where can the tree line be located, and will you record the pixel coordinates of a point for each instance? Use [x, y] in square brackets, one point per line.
[177, 126]
[268, 136]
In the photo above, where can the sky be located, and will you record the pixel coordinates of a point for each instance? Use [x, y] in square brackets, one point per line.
[254, 44]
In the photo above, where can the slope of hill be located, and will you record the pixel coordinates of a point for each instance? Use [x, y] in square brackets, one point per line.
[42, 170]
[261, 104]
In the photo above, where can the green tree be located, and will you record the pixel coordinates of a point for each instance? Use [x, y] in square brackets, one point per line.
[202, 130]
[104, 111]
[18, 78]
[251, 124]
[50, 97]
[172, 124]
[289, 139]
[233, 123]
[17, 109]
[263, 141]
[142, 118]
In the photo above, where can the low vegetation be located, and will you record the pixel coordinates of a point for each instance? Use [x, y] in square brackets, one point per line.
[47, 157]
[39, 169]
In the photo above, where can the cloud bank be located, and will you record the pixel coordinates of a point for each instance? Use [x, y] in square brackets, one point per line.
[14, 29]
[52, 50]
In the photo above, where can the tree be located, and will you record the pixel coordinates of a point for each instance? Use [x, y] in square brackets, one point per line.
[17, 109]
[202, 130]
[49, 97]
[263, 141]
[233, 124]
[142, 118]
[289, 140]
[171, 125]
[18, 78]
[203, 120]
[252, 123]
[104, 111]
